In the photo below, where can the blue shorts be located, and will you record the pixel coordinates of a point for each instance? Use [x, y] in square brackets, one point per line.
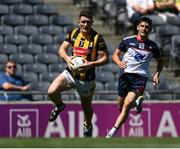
[131, 82]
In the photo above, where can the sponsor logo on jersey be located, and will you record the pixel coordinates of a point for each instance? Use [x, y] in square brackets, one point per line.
[80, 51]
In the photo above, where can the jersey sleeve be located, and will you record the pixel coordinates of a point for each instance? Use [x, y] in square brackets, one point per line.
[156, 51]
[68, 37]
[2, 80]
[123, 46]
[101, 44]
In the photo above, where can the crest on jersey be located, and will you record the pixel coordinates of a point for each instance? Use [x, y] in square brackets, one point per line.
[141, 45]
[80, 51]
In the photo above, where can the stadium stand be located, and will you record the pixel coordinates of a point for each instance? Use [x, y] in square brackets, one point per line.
[21, 58]
[22, 9]
[10, 2]
[57, 67]
[105, 76]
[3, 58]
[26, 30]
[8, 48]
[1, 39]
[51, 30]
[16, 39]
[12, 20]
[35, 67]
[30, 48]
[49, 77]
[111, 86]
[40, 86]
[42, 39]
[175, 49]
[58, 39]
[6, 30]
[99, 86]
[61, 20]
[37, 20]
[164, 96]
[30, 77]
[164, 34]
[32, 30]
[45, 58]
[33, 2]
[44, 9]
[51, 48]
[4, 10]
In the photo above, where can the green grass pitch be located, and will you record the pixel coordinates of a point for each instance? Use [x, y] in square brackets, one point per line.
[90, 143]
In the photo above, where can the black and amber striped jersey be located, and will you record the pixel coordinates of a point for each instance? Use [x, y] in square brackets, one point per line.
[87, 47]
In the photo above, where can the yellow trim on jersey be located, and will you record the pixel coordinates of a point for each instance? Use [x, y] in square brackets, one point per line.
[78, 39]
[86, 42]
[93, 55]
[73, 32]
[86, 45]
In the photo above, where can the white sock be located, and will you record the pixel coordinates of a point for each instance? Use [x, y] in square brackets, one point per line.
[139, 100]
[113, 131]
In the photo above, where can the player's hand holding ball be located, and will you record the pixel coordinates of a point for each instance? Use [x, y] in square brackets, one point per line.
[69, 62]
[77, 62]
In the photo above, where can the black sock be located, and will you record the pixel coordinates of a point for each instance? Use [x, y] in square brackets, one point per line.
[60, 105]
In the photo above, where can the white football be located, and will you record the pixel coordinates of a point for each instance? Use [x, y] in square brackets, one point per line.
[77, 62]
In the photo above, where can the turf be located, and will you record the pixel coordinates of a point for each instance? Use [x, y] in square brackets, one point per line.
[90, 143]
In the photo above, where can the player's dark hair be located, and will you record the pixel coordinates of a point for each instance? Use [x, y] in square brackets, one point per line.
[145, 19]
[86, 13]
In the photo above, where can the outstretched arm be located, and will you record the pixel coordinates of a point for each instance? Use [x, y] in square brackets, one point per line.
[63, 53]
[102, 60]
[116, 58]
[9, 86]
[160, 65]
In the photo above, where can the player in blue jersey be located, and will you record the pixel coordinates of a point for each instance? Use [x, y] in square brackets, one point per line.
[136, 53]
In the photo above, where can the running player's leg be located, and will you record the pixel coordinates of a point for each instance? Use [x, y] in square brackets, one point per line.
[86, 103]
[138, 103]
[128, 104]
[54, 92]
[86, 90]
[120, 103]
[112, 132]
[139, 86]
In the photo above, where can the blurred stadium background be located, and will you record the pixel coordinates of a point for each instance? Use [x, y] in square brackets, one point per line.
[32, 30]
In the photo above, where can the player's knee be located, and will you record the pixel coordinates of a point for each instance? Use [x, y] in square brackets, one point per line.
[51, 91]
[128, 104]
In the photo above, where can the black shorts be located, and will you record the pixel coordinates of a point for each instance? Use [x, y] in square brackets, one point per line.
[131, 82]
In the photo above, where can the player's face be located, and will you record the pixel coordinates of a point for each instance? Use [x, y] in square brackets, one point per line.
[143, 29]
[85, 24]
[11, 68]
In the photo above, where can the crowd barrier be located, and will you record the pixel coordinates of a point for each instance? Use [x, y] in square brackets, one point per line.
[30, 119]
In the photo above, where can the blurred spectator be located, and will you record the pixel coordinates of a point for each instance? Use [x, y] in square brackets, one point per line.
[81, 2]
[177, 5]
[138, 8]
[166, 8]
[77, 2]
[9, 81]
